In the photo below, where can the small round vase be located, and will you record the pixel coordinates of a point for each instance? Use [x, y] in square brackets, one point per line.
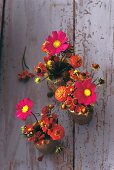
[54, 84]
[82, 119]
[60, 81]
[47, 147]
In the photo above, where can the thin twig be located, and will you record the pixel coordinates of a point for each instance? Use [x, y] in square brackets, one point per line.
[34, 116]
[23, 60]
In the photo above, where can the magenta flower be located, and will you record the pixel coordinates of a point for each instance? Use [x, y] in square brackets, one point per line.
[85, 92]
[56, 43]
[24, 108]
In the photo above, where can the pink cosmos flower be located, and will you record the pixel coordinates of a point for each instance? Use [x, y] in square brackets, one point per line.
[56, 43]
[85, 92]
[24, 108]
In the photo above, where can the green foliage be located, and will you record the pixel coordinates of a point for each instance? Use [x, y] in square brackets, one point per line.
[59, 68]
[91, 109]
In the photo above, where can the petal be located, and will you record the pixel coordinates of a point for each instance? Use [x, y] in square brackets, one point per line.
[94, 98]
[55, 35]
[65, 46]
[20, 116]
[58, 50]
[61, 35]
[63, 40]
[49, 39]
[78, 85]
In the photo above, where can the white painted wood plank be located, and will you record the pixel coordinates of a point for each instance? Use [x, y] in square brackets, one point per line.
[27, 24]
[95, 42]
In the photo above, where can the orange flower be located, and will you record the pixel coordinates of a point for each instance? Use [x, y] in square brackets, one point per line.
[95, 66]
[57, 132]
[70, 89]
[73, 75]
[75, 61]
[44, 49]
[81, 108]
[40, 69]
[61, 94]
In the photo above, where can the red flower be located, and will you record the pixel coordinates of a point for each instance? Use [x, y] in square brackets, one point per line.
[57, 132]
[45, 123]
[69, 83]
[25, 75]
[73, 104]
[28, 129]
[68, 100]
[85, 92]
[47, 58]
[73, 75]
[81, 109]
[48, 121]
[38, 138]
[40, 69]
[53, 119]
[70, 89]
[24, 108]
[75, 61]
[45, 110]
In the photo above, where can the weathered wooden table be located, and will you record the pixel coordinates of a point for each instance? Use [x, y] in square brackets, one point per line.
[90, 26]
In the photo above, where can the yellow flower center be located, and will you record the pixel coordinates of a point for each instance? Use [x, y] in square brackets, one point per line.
[25, 109]
[87, 92]
[29, 129]
[37, 80]
[71, 89]
[49, 63]
[57, 133]
[76, 71]
[56, 43]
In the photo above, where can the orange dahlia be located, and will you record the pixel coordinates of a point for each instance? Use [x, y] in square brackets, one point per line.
[75, 61]
[57, 132]
[61, 94]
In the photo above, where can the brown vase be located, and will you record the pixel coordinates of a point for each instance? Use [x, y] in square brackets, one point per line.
[82, 119]
[54, 84]
[47, 147]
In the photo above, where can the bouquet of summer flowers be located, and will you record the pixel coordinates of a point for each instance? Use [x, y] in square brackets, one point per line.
[59, 60]
[79, 94]
[44, 132]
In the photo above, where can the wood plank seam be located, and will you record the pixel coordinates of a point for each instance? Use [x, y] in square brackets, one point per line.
[2, 28]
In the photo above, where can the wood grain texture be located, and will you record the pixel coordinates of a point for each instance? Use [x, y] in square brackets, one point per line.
[94, 40]
[27, 23]
[90, 24]
[1, 11]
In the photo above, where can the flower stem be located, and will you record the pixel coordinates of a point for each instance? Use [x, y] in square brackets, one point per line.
[34, 116]
[23, 60]
[95, 80]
